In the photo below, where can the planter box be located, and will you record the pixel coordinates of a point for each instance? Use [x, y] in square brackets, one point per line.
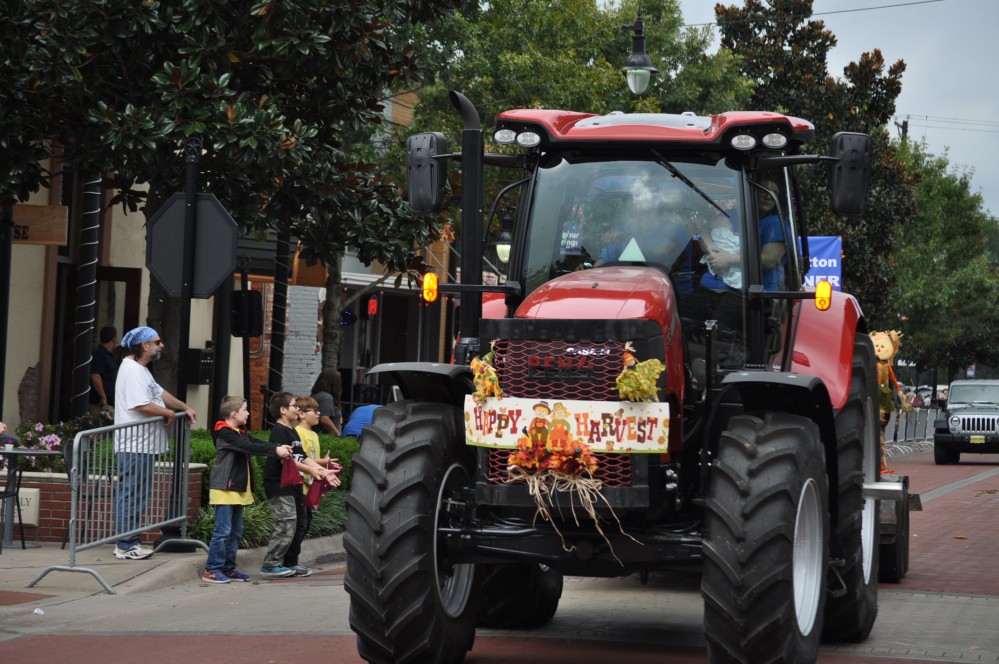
[53, 503]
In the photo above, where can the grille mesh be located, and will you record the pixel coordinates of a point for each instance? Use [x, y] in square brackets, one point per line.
[553, 370]
[978, 424]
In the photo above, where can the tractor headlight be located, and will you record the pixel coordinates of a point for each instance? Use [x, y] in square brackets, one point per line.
[528, 139]
[743, 142]
[505, 136]
[775, 140]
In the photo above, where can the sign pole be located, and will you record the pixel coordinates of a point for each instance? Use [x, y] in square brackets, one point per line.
[178, 493]
[244, 287]
[6, 241]
[192, 155]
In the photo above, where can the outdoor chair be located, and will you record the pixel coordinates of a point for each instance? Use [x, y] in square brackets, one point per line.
[12, 490]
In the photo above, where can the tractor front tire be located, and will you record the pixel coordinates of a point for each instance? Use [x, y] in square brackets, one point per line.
[408, 603]
[766, 542]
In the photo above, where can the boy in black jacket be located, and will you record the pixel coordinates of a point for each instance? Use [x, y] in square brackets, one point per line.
[287, 503]
[231, 487]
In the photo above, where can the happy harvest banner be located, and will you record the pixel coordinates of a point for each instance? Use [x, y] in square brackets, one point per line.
[606, 426]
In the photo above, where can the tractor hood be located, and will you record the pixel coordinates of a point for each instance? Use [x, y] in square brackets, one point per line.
[602, 293]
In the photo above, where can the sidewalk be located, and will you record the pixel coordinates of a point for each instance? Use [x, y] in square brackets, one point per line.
[167, 569]
[162, 570]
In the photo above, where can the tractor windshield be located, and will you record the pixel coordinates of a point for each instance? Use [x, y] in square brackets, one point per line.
[685, 218]
[597, 213]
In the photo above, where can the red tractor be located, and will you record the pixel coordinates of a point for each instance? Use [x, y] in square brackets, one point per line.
[753, 455]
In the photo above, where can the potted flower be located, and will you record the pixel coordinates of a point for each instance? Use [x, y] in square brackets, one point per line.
[49, 436]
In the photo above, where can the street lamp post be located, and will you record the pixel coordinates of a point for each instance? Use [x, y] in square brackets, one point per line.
[638, 68]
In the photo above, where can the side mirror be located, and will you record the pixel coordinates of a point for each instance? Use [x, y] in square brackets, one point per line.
[850, 175]
[426, 174]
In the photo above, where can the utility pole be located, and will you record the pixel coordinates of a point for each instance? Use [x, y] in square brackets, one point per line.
[904, 127]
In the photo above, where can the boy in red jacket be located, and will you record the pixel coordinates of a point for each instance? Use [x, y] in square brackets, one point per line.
[231, 487]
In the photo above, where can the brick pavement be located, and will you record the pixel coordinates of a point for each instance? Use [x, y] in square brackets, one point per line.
[943, 611]
[954, 541]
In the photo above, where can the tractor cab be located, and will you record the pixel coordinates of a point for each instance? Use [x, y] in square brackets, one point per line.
[714, 230]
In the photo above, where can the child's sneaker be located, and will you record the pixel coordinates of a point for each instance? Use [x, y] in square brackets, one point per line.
[301, 570]
[276, 572]
[135, 552]
[214, 577]
[236, 575]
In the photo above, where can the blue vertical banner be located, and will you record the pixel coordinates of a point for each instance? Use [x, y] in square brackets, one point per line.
[825, 261]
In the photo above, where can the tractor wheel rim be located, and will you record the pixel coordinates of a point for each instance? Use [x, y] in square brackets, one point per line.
[453, 582]
[872, 473]
[807, 557]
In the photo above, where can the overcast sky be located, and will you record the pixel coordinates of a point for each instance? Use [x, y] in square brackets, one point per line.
[950, 88]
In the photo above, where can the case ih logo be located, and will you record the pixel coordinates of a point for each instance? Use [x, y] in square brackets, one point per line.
[562, 368]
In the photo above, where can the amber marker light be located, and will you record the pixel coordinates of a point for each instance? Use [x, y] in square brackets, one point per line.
[430, 287]
[823, 295]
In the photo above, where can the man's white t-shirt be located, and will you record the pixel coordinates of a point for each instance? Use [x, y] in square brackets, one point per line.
[137, 387]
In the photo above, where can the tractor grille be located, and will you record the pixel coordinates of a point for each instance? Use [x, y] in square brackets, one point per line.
[553, 370]
[979, 423]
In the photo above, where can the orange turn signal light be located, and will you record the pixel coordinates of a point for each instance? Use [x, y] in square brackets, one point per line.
[430, 287]
[823, 295]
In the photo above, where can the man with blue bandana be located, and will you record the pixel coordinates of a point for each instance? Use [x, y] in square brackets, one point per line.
[137, 397]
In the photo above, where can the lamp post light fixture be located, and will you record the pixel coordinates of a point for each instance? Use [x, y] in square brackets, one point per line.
[504, 239]
[503, 248]
[638, 68]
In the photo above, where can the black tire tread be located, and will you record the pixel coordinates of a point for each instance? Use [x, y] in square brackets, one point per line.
[851, 617]
[519, 595]
[747, 581]
[389, 537]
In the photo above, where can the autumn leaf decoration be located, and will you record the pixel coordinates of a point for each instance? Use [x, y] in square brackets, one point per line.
[485, 378]
[638, 381]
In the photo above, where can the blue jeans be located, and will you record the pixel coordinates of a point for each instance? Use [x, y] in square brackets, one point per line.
[135, 483]
[225, 538]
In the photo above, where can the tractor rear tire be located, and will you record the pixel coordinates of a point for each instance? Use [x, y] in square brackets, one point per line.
[766, 543]
[894, 563]
[850, 616]
[519, 595]
[408, 603]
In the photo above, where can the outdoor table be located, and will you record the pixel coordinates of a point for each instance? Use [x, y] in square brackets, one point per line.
[11, 458]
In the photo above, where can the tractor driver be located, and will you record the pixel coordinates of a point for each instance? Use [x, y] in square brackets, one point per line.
[649, 234]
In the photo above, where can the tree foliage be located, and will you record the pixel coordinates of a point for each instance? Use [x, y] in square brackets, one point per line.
[564, 54]
[280, 93]
[568, 54]
[786, 55]
[948, 286]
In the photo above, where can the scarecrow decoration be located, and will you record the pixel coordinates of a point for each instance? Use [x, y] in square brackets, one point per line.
[886, 345]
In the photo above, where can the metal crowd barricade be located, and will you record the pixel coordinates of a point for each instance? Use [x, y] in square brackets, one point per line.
[125, 480]
[909, 432]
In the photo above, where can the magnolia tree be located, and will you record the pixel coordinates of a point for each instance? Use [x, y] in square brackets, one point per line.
[281, 94]
[786, 54]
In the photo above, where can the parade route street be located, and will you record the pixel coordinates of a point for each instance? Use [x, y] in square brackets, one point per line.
[945, 610]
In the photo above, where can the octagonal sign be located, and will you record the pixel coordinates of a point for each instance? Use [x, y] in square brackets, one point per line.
[214, 246]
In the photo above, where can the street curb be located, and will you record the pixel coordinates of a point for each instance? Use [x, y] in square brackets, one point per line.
[185, 568]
